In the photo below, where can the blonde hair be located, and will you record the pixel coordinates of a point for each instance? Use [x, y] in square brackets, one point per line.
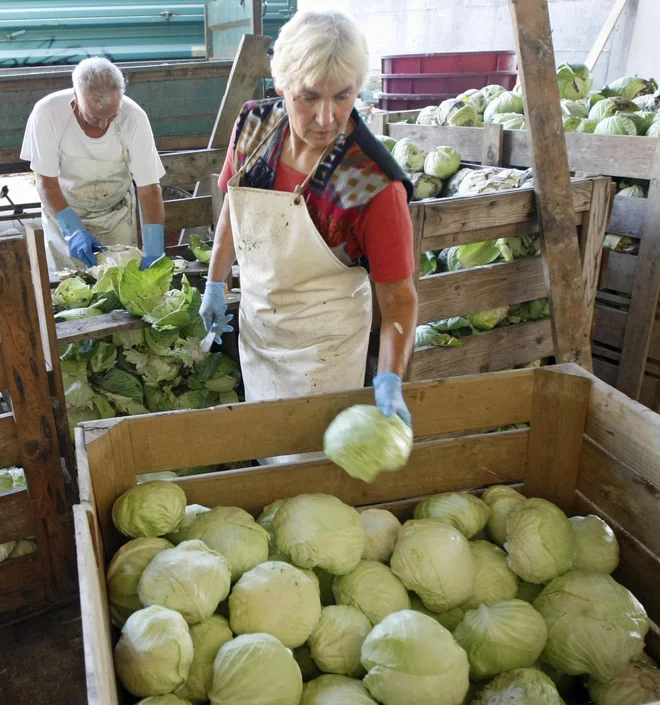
[96, 79]
[317, 47]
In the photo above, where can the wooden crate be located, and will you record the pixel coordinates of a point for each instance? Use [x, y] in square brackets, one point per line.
[33, 436]
[589, 448]
[632, 364]
[457, 221]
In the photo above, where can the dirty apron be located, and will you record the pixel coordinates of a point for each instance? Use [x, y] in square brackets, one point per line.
[102, 194]
[305, 316]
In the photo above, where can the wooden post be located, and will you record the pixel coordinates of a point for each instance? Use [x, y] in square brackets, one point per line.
[378, 122]
[561, 254]
[644, 301]
[257, 17]
[492, 146]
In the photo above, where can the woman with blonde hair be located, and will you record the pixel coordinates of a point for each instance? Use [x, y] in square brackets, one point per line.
[316, 206]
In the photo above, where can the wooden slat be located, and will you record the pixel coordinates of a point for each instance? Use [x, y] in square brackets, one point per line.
[610, 326]
[35, 424]
[620, 272]
[493, 143]
[467, 140]
[552, 185]
[646, 288]
[17, 519]
[628, 215]
[606, 370]
[188, 212]
[10, 453]
[654, 347]
[3, 374]
[22, 583]
[417, 217]
[191, 166]
[604, 34]
[480, 288]
[623, 427]
[621, 493]
[559, 411]
[639, 568]
[490, 351]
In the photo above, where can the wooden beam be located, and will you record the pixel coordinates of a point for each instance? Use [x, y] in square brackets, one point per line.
[257, 17]
[188, 212]
[561, 255]
[493, 143]
[604, 34]
[191, 166]
[644, 301]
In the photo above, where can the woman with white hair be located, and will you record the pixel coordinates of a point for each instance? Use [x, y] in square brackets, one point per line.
[315, 202]
[87, 146]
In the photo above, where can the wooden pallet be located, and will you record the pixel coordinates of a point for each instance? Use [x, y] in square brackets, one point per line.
[585, 439]
[33, 436]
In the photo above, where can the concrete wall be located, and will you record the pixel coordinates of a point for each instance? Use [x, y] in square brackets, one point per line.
[427, 26]
[644, 57]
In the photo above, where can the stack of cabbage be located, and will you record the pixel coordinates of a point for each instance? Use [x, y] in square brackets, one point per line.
[426, 171]
[627, 106]
[159, 368]
[14, 479]
[484, 601]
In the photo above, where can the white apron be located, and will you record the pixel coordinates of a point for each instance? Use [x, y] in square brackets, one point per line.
[102, 194]
[305, 317]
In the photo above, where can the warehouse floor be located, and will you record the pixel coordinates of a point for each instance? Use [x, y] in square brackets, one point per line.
[41, 660]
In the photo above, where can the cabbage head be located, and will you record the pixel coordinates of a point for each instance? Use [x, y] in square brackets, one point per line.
[640, 120]
[319, 530]
[507, 102]
[638, 683]
[492, 91]
[72, 293]
[571, 123]
[539, 540]
[596, 546]
[255, 669]
[427, 115]
[169, 699]
[387, 142]
[524, 686]
[278, 599]
[449, 620]
[335, 690]
[574, 80]
[200, 250]
[189, 517]
[494, 580]
[595, 626]
[501, 499]
[364, 442]
[501, 637]
[454, 112]
[425, 186]
[266, 517]
[487, 320]
[442, 162]
[154, 653]
[616, 125]
[510, 121]
[586, 127]
[409, 155]
[336, 642]
[124, 573]
[434, 560]
[191, 579]
[610, 107]
[630, 87]
[114, 256]
[572, 108]
[462, 510]
[235, 534]
[382, 531]
[654, 130]
[372, 588]
[411, 660]
[207, 638]
[149, 509]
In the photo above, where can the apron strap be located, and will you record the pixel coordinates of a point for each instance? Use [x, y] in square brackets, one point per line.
[299, 190]
[270, 133]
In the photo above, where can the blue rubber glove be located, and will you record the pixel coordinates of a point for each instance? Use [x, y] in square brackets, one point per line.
[389, 397]
[153, 241]
[80, 241]
[214, 310]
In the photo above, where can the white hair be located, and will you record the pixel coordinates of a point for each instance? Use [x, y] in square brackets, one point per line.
[318, 47]
[97, 79]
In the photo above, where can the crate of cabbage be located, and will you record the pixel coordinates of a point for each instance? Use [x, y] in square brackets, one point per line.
[426, 594]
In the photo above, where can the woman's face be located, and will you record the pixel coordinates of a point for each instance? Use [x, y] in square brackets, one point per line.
[319, 114]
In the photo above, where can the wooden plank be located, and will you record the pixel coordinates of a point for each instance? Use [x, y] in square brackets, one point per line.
[621, 493]
[3, 374]
[191, 166]
[248, 67]
[646, 288]
[620, 272]
[604, 34]
[21, 583]
[17, 516]
[10, 453]
[628, 216]
[552, 186]
[591, 242]
[257, 17]
[451, 293]
[654, 348]
[493, 143]
[610, 326]
[97, 637]
[467, 140]
[559, 411]
[605, 370]
[491, 351]
[188, 212]
[35, 425]
[417, 216]
[623, 427]
[378, 122]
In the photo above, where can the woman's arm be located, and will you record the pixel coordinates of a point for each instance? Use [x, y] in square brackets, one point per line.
[223, 254]
[398, 307]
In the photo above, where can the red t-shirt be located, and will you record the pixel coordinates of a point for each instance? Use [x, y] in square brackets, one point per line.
[390, 258]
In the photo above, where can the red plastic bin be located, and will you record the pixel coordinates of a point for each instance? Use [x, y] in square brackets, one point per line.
[454, 62]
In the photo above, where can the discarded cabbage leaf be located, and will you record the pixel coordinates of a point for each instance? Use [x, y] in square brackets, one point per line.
[487, 320]
[200, 249]
[72, 293]
[139, 291]
[428, 264]
[427, 334]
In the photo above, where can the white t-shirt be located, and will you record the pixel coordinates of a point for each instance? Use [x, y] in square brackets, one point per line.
[52, 130]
